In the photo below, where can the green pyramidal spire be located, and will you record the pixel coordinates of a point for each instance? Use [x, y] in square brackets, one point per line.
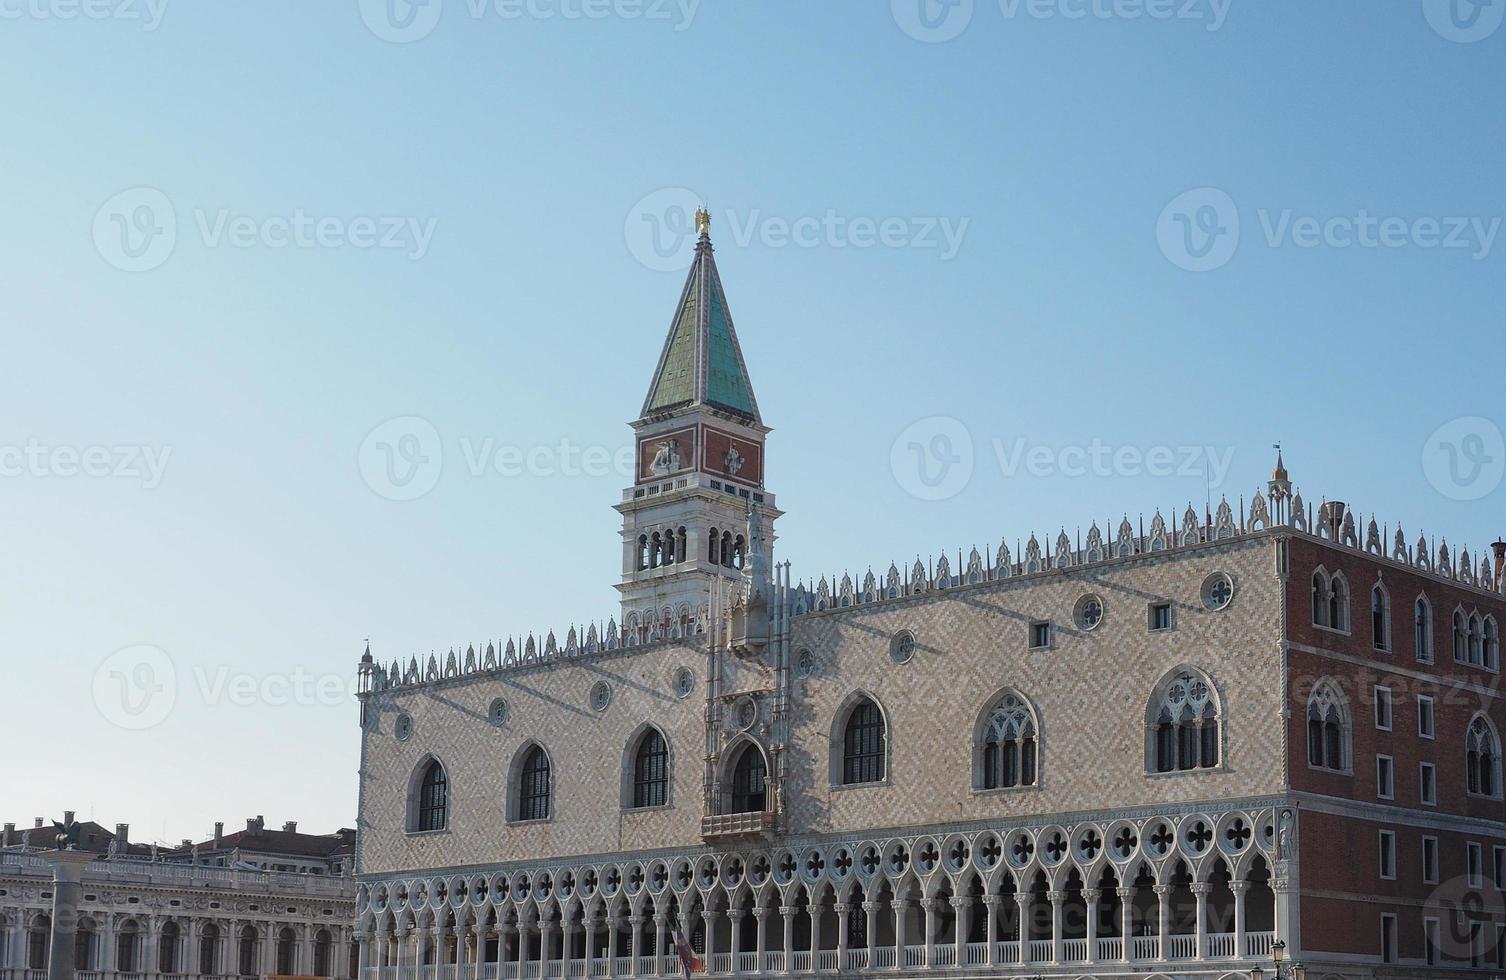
[702, 363]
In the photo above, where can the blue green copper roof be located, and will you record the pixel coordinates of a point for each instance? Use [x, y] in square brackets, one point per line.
[702, 362]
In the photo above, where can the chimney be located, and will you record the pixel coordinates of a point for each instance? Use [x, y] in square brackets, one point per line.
[10, 834]
[256, 823]
[187, 843]
[290, 826]
[36, 823]
[219, 831]
[122, 835]
[1500, 551]
[1332, 516]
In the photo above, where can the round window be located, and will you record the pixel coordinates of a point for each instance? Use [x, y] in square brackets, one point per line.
[902, 647]
[1089, 612]
[684, 682]
[497, 713]
[1218, 591]
[403, 727]
[805, 664]
[601, 695]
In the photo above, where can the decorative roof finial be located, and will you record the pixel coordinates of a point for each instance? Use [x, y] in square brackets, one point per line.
[703, 222]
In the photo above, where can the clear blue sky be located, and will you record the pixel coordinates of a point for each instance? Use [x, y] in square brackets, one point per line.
[532, 314]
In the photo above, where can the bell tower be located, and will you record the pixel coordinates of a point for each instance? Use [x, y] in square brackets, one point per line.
[697, 509]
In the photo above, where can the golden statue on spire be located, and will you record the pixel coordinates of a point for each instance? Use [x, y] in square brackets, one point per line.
[702, 222]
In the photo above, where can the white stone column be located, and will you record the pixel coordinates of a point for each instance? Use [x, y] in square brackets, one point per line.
[635, 948]
[611, 924]
[1058, 903]
[1200, 891]
[1163, 919]
[815, 912]
[788, 911]
[363, 954]
[761, 939]
[1127, 920]
[900, 905]
[1022, 928]
[961, 906]
[661, 919]
[1090, 897]
[871, 910]
[708, 922]
[843, 910]
[1239, 888]
[734, 937]
[991, 905]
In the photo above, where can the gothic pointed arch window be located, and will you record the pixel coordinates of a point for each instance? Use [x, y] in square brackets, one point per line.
[1492, 635]
[533, 785]
[1380, 617]
[1482, 759]
[1461, 638]
[1476, 640]
[650, 770]
[431, 803]
[1327, 728]
[1338, 603]
[864, 744]
[1008, 750]
[1320, 598]
[1422, 629]
[714, 547]
[1182, 730]
[750, 787]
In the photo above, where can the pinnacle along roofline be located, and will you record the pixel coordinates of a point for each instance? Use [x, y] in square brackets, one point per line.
[702, 362]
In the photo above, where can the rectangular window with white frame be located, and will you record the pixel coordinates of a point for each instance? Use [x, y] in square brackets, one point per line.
[1382, 709]
[1388, 855]
[1388, 937]
[1430, 860]
[1385, 778]
[1427, 784]
[1425, 719]
[1430, 933]
[1473, 872]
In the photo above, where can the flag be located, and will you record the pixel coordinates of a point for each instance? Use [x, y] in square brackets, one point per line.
[687, 955]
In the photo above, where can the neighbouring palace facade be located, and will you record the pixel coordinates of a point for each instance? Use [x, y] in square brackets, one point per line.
[1150, 750]
[251, 903]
